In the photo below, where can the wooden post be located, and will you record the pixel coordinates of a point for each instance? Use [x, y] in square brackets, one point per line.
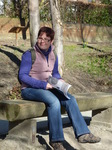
[16, 39]
[24, 129]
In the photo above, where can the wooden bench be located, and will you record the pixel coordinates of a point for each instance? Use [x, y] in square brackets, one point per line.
[22, 114]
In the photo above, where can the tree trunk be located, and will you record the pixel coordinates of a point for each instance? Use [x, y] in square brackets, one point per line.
[34, 20]
[57, 26]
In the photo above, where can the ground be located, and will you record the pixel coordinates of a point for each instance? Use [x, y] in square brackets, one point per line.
[70, 143]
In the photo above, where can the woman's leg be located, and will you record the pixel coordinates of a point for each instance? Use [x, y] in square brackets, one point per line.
[71, 106]
[78, 122]
[79, 125]
[54, 112]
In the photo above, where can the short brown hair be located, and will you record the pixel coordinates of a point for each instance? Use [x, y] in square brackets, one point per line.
[49, 32]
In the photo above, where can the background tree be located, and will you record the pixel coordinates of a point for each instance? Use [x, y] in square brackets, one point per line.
[20, 7]
[57, 26]
[34, 20]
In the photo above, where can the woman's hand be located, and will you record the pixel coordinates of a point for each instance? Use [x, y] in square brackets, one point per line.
[49, 86]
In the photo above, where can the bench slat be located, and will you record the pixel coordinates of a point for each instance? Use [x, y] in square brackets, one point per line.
[13, 110]
[94, 101]
[20, 109]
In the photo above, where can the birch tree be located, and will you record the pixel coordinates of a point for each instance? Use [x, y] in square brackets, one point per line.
[34, 20]
[57, 26]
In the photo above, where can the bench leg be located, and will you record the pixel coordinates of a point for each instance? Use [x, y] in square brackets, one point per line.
[102, 117]
[25, 129]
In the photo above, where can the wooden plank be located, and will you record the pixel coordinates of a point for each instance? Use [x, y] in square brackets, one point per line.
[94, 101]
[19, 109]
[13, 110]
[16, 29]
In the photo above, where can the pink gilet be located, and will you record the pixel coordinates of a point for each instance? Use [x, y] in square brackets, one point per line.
[42, 69]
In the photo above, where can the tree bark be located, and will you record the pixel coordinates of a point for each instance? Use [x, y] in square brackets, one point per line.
[57, 26]
[34, 20]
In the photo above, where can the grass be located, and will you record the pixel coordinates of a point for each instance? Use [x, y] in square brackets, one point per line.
[88, 60]
[99, 66]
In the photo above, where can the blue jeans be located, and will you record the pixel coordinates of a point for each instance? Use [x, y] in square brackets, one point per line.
[53, 100]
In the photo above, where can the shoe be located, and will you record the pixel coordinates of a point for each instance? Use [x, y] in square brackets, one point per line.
[89, 138]
[57, 146]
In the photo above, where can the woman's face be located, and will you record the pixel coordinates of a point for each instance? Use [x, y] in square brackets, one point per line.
[44, 41]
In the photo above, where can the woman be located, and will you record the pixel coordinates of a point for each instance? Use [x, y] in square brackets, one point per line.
[35, 87]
